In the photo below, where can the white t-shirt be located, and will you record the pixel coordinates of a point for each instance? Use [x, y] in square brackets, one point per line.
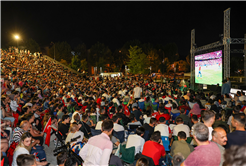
[229, 120]
[137, 141]
[70, 136]
[242, 98]
[99, 125]
[210, 129]
[146, 119]
[163, 128]
[18, 151]
[118, 127]
[181, 127]
[137, 92]
[75, 114]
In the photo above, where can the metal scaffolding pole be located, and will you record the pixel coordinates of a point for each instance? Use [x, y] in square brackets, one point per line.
[226, 42]
[192, 60]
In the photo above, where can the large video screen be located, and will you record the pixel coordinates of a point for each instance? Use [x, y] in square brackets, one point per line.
[208, 68]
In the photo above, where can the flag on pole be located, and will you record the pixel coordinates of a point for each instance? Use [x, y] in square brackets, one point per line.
[47, 130]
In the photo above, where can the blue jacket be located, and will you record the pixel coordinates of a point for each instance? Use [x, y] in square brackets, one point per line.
[225, 89]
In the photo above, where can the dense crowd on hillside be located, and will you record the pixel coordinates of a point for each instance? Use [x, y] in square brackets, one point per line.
[113, 121]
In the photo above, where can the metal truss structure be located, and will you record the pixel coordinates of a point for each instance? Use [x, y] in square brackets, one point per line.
[192, 60]
[227, 41]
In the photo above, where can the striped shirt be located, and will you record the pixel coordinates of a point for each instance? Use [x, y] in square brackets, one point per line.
[17, 135]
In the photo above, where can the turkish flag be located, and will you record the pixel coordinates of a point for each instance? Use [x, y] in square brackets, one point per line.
[2, 162]
[47, 130]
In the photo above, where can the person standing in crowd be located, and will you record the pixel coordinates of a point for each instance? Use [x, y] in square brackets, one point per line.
[137, 92]
[209, 150]
[225, 89]
[209, 118]
[98, 149]
[220, 138]
[238, 137]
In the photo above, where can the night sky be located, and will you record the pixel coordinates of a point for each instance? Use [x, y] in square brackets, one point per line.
[115, 23]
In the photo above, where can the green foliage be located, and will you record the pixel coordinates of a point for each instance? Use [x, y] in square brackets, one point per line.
[164, 67]
[75, 64]
[62, 50]
[99, 54]
[171, 52]
[101, 63]
[152, 56]
[81, 51]
[32, 45]
[83, 64]
[138, 63]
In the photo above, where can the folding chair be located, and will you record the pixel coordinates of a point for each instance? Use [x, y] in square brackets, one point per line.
[95, 132]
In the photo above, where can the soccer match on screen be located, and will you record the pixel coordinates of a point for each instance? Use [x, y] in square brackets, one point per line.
[208, 68]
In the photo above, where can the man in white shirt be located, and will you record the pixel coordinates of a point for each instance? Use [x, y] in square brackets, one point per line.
[242, 97]
[208, 119]
[163, 128]
[137, 92]
[74, 132]
[99, 123]
[181, 127]
[136, 140]
[115, 100]
[78, 110]
[117, 127]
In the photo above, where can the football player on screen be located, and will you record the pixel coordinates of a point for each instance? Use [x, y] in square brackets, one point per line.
[199, 71]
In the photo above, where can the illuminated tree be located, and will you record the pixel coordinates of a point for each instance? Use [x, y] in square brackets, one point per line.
[138, 62]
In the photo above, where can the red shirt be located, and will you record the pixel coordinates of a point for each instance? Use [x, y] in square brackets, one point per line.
[185, 107]
[166, 116]
[153, 150]
[155, 114]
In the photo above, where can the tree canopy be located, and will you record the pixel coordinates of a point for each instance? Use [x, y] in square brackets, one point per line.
[99, 55]
[32, 45]
[138, 62]
[61, 50]
[171, 52]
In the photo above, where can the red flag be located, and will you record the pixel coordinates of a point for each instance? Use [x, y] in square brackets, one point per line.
[2, 162]
[47, 130]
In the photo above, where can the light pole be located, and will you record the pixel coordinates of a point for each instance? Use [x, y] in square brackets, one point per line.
[17, 38]
[54, 51]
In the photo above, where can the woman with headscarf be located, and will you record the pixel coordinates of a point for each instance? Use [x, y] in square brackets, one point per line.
[196, 110]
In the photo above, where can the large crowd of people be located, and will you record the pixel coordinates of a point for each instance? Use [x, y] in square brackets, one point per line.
[116, 121]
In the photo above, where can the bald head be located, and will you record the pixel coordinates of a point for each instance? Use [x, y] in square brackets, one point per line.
[219, 136]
